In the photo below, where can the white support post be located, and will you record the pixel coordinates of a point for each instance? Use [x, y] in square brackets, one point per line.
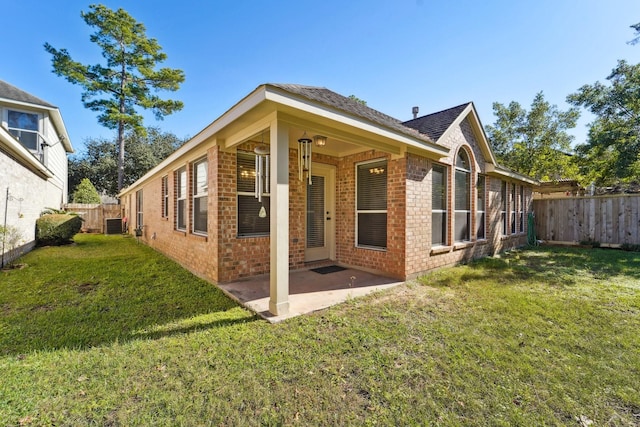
[279, 221]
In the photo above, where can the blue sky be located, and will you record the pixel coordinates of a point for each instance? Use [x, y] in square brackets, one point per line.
[392, 54]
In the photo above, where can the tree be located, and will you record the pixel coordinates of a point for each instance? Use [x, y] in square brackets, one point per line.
[534, 142]
[355, 98]
[129, 80]
[98, 161]
[86, 192]
[635, 40]
[612, 152]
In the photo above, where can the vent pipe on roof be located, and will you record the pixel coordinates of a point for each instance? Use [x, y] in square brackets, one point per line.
[415, 110]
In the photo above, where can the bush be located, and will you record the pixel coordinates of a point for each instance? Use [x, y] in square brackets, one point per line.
[630, 247]
[57, 229]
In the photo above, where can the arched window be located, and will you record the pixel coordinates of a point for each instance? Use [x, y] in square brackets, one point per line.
[462, 219]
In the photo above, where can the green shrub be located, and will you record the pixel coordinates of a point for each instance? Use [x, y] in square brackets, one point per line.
[630, 247]
[57, 229]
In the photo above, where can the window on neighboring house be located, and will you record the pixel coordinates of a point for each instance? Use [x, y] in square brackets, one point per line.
[250, 222]
[480, 207]
[513, 208]
[462, 220]
[165, 196]
[200, 186]
[181, 199]
[139, 216]
[371, 204]
[521, 211]
[438, 205]
[503, 206]
[25, 127]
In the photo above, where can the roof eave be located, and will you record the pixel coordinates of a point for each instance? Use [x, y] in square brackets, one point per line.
[56, 118]
[26, 158]
[502, 172]
[299, 102]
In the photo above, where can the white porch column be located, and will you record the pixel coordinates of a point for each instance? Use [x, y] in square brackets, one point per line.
[279, 205]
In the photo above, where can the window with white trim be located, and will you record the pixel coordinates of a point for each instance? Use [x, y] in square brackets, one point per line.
[438, 205]
[250, 220]
[139, 210]
[371, 204]
[165, 196]
[513, 208]
[480, 207]
[25, 127]
[200, 199]
[462, 218]
[521, 210]
[181, 199]
[503, 206]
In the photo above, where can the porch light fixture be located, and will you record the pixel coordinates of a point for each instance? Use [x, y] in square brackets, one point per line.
[262, 171]
[320, 140]
[304, 156]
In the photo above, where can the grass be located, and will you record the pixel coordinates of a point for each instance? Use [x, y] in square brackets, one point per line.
[108, 332]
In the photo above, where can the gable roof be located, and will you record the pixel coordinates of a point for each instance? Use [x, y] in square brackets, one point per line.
[12, 93]
[351, 106]
[436, 124]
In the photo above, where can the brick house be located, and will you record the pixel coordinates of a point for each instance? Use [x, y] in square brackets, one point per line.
[292, 174]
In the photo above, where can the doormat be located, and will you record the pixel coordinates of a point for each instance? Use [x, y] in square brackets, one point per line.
[328, 269]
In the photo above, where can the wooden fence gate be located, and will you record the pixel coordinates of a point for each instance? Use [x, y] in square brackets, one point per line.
[95, 216]
[611, 219]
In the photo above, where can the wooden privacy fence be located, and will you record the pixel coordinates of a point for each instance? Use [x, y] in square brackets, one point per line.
[610, 220]
[94, 215]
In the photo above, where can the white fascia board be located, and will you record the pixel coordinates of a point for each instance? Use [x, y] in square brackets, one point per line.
[284, 98]
[242, 107]
[27, 159]
[56, 118]
[470, 109]
[508, 173]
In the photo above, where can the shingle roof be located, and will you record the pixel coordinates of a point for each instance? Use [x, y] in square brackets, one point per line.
[350, 106]
[434, 125]
[8, 91]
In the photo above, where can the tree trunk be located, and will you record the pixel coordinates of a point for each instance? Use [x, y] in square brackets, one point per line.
[123, 81]
[120, 155]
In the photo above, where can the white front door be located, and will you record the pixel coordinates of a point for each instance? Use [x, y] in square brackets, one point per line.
[320, 235]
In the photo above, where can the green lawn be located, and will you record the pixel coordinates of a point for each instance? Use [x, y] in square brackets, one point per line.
[109, 332]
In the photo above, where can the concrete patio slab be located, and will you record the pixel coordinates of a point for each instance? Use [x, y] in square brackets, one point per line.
[308, 291]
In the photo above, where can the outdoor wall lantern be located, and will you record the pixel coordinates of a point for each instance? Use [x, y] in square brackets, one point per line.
[304, 157]
[320, 140]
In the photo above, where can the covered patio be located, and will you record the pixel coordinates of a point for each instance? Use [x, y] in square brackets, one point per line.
[309, 290]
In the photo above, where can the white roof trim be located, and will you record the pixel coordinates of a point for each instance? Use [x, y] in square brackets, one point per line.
[56, 118]
[283, 97]
[508, 173]
[25, 157]
[471, 109]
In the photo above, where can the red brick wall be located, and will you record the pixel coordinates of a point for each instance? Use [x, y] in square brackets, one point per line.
[420, 255]
[190, 250]
[390, 261]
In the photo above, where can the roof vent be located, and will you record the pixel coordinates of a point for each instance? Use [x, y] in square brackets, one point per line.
[415, 110]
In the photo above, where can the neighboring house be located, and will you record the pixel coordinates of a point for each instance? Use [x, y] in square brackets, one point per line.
[384, 196]
[33, 162]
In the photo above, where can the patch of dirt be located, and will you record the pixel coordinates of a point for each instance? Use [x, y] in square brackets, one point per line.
[85, 288]
[5, 309]
[13, 267]
[42, 308]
